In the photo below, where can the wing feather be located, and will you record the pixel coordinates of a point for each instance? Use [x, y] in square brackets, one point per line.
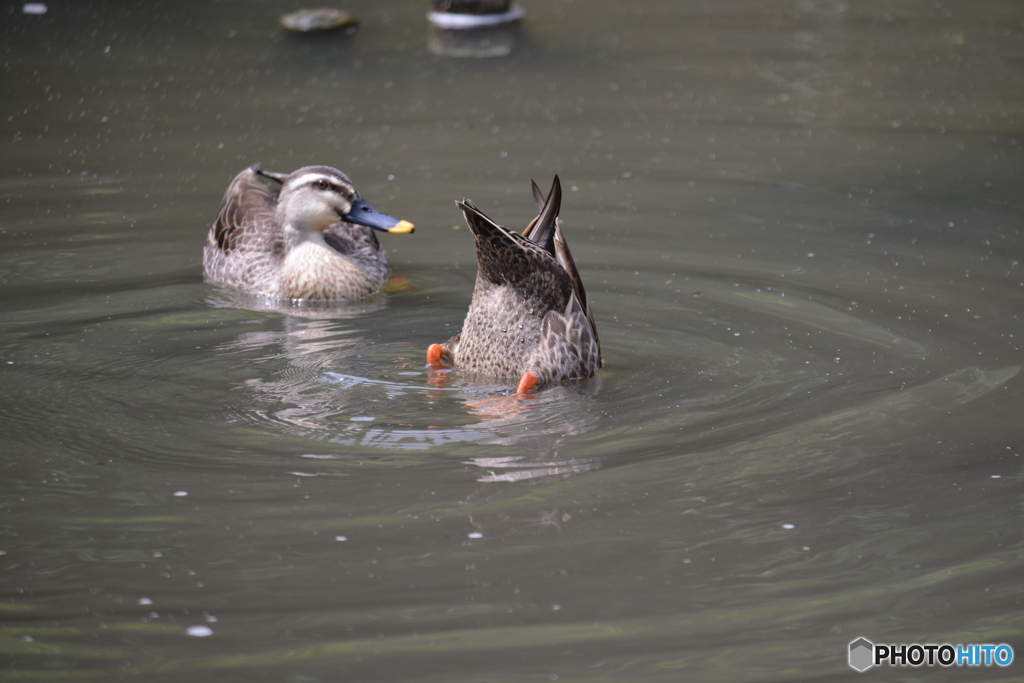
[248, 201]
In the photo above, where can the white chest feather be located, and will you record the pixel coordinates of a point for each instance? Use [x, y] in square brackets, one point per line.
[312, 270]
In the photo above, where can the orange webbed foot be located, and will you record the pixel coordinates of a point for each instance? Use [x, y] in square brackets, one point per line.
[438, 376]
[434, 354]
[526, 382]
[398, 283]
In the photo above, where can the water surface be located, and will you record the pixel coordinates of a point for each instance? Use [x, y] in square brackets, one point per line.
[799, 224]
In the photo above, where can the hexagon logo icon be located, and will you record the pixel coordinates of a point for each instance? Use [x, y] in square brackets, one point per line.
[862, 653]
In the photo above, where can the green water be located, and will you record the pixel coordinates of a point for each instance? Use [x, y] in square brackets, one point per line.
[799, 225]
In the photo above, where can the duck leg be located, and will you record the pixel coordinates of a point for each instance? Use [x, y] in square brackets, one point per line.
[434, 352]
[526, 382]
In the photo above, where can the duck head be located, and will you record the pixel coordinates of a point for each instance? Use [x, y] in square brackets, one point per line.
[314, 197]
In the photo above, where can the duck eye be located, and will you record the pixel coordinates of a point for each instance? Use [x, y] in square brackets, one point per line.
[321, 184]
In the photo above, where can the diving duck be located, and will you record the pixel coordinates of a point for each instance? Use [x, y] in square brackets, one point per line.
[311, 239]
[529, 318]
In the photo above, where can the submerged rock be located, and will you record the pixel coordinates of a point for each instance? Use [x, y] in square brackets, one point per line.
[322, 19]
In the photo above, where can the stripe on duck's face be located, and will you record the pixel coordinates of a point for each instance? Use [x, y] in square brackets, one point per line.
[322, 182]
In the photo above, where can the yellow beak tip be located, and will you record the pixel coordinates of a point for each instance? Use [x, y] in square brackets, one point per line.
[402, 226]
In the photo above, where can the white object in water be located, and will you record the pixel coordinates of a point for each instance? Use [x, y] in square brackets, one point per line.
[457, 21]
[34, 8]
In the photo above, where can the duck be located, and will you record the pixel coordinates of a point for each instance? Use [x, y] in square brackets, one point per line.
[529, 318]
[310, 237]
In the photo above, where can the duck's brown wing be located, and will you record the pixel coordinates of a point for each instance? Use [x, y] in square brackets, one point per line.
[246, 212]
[569, 348]
[565, 260]
[546, 227]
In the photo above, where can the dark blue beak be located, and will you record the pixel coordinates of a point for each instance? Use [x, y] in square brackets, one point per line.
[362, 213]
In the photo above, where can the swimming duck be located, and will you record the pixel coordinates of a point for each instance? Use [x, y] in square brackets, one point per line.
[311, 239]
[529, 318]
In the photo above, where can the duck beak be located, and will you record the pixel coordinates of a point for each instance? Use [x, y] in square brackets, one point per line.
[362, 213]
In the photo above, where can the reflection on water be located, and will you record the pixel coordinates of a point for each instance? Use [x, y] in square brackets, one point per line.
[496, 41]
[306, 395]
[301, 308]
[517, 468]
[799, 224]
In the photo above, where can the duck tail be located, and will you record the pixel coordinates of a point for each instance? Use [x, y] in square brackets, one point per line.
[542, 231]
